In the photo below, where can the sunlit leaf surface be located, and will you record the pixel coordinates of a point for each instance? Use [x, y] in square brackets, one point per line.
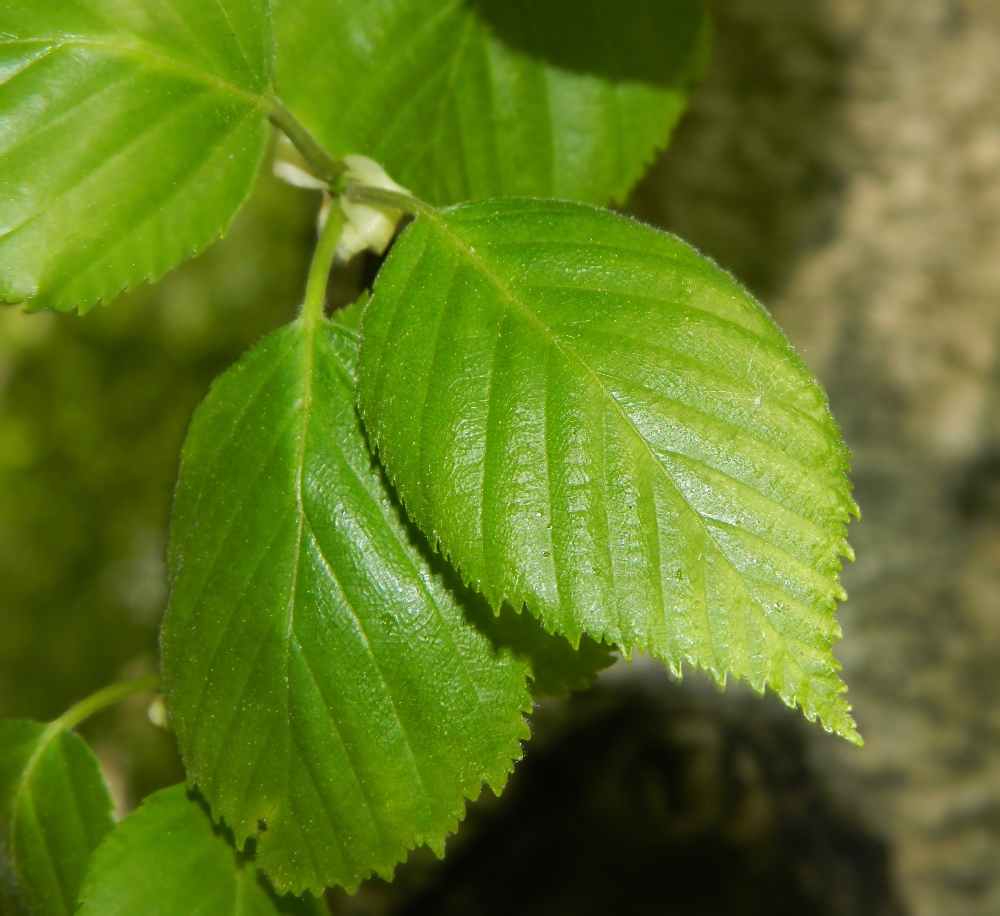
[130, 134]
[590, 418]
[330, 697]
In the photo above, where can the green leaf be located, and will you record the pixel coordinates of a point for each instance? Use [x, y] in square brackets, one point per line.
[54, 812]
[590, 418]
[557, 669]
[167, 858]
[328, 694]
[460, 101]
[131, 134]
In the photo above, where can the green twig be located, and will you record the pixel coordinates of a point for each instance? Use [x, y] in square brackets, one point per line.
[326, 166]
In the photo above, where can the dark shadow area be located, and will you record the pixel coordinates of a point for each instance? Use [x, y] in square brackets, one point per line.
[649, 41]
[977, 493]
[641, 798]
[751, 177]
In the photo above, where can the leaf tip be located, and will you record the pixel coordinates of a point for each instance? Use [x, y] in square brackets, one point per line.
[841, 723]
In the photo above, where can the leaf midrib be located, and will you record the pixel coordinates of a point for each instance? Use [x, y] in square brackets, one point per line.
[554, 339]
[386, 66]
[52, 731]
[99, 253]
[305, 526]
[310, 341]
[146, 53]
[435, 142]
[417, 574]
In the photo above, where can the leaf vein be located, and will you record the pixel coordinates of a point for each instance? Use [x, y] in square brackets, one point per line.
[629, 424]
[190, 177]
[144, 52]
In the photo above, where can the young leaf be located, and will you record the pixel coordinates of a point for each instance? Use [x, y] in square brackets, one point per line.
[590, 418]
[54, 812]
[132, 130]
[328, 694]
[459, 101]
[167, 858]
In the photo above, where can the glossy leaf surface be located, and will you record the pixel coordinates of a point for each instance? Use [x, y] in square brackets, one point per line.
[167, 858]
[54, 812]
[465, 100]
[329, 695]
[130, 134]
[590, 418]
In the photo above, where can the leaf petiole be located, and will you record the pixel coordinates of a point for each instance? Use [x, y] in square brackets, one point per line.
[381, 197]
[327, 167]
[85, 709]
[104, 697]
[319, 270]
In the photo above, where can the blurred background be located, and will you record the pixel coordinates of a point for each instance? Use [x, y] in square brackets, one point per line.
[842, 157]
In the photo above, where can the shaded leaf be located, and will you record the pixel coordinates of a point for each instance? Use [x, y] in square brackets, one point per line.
[328, 694]
[487, 99]
[54, 811]
[131, 135]
[167, 858]
[590, 418]
[557, 669]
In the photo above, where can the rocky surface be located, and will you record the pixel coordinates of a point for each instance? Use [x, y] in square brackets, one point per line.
[843, 158]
